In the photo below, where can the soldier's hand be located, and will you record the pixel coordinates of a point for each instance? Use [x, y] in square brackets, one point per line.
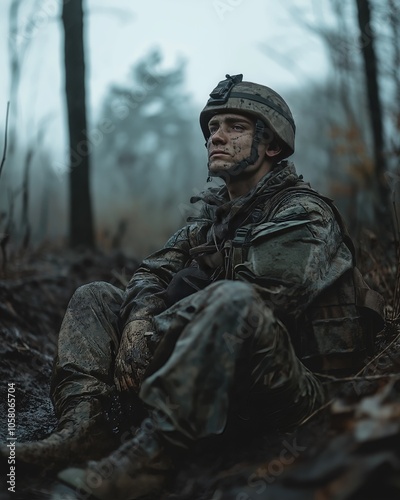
[133, 356]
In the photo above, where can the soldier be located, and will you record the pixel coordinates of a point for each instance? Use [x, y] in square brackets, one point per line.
[232, 316]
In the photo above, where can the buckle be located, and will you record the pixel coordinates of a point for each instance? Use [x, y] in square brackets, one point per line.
[221, 92]
[241, 237]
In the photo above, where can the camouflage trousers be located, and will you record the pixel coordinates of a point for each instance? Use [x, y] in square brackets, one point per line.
[223, 355]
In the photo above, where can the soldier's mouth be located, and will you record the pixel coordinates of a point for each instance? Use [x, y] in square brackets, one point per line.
[219, 153]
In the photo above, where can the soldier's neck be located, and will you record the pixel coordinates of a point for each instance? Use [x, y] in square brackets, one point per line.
[242, 184]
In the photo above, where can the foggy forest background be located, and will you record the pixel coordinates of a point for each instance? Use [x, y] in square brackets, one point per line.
[144, 152]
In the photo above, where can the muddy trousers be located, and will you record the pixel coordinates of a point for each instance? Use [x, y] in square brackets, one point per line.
[223, 354]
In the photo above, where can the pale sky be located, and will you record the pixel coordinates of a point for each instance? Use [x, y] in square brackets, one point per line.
[215, 36]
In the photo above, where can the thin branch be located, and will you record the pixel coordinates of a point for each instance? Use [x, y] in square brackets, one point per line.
[356, 376]
[330, 378]
[5, 138]
[378, 356]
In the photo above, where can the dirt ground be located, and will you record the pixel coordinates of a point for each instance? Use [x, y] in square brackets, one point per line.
[350, 450]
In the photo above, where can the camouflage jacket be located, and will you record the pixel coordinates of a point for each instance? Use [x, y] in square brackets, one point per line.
[285, 239]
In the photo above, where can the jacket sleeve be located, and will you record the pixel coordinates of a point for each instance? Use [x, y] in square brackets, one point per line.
[296, 255]
[145, 293]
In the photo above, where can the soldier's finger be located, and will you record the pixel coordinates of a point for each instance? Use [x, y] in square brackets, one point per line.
[123, 384]
[129, 382]
[117, 384]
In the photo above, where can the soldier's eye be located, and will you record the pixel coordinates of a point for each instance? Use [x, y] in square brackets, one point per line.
[212, 130]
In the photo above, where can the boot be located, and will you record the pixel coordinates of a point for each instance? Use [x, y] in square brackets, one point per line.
[81, 434]
[139, 467]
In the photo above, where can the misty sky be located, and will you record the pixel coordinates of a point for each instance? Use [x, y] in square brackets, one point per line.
[263, 39]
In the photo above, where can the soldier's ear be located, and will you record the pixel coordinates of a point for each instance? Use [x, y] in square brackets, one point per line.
[273, 149]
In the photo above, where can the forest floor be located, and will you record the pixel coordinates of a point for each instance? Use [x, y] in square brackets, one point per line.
[350, 450]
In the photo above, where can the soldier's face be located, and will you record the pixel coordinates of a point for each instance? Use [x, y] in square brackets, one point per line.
[231, 140]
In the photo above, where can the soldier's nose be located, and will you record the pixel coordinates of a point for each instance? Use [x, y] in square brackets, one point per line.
[218, 137]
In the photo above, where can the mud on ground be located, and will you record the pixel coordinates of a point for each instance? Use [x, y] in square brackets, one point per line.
[349, 451]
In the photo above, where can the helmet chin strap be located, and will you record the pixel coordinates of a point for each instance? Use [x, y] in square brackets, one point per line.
[239, 167]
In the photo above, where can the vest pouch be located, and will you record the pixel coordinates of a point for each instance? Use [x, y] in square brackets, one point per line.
[371, 306]
[334, 338]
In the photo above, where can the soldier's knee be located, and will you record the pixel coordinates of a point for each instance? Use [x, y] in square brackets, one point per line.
[234, 290]
[238, 297]
[96, 291]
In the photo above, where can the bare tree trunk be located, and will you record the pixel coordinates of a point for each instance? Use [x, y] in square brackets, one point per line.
[81, 221]
[372, 84]
[15, 71]
[25, 223]
[394, 23]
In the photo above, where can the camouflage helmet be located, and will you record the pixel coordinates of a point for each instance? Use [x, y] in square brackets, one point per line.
[233, 95]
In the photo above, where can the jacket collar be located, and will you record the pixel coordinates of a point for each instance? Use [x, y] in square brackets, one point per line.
[216, 200]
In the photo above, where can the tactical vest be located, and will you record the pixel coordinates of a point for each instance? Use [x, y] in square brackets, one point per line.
[337, 332]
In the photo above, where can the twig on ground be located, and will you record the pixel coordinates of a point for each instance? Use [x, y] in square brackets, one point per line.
[330, 378]
[378, 356]
[356, 376]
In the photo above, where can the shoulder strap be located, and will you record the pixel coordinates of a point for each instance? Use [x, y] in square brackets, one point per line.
[366, 298]
[275, 202]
